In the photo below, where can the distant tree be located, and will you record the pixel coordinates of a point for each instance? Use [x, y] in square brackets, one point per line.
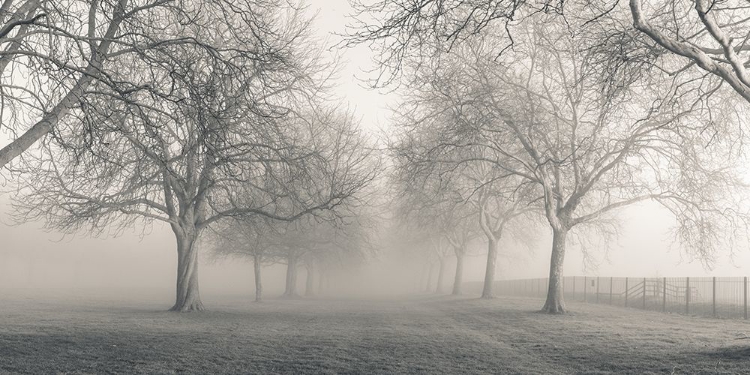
[289, 241]
[228, 129]
[245, 237]
[420, 212]
[451, 188]
[341, 244]
[459, 240]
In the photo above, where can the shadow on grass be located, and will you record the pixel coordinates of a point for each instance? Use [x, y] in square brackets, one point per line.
[728, 354]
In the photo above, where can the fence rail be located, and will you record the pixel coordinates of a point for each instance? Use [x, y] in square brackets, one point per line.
[722, 297]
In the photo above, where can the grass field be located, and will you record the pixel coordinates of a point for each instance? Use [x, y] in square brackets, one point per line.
[418, 335]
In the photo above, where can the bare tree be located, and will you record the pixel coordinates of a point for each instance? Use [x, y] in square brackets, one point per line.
[447, 178]
[227, 129]
[460, 198]
[458, 236]
[342, 243]
[244, 237]
[593, 150]
[590, 139]
[422, 206]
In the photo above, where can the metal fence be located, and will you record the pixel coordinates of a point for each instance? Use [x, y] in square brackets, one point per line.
[721, 297]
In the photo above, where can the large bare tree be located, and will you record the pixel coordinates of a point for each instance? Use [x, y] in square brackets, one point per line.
[230, 127]
[591, 132]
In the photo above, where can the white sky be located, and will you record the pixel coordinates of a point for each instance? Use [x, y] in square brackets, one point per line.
[31, 257]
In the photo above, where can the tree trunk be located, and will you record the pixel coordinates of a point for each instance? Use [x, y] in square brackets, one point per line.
[258, 282]
[309, 283]
[291, 278]
[188, 297]
[489, 274]
[428, 287]
[441, 275]
[555, 303]
[459, 274]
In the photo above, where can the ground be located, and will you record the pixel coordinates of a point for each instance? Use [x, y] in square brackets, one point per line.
[422, 334]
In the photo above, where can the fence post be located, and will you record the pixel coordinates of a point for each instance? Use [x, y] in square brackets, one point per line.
[714, 297]
[644, 293]
[687, 295]
[744, 289]
[585, 287]
[664, 296]
[626, 292]
[597, 289]
[611, 283]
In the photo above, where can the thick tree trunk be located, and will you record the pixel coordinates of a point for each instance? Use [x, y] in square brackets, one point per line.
[188, 297]
[489, 273]
[309, 282]
[441, 275]
[555, 303]
[428, 287]
[291, 278]
[257, 266]
[458, 279]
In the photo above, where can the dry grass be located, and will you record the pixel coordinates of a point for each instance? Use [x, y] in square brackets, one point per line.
[421, 335]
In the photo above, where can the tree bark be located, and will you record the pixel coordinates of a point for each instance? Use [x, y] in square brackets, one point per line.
[309, 282]
[555, 303]
[188, 297]
[489, 273]
[291, 278]
[441, 275]
[458, 279]
[258, 282]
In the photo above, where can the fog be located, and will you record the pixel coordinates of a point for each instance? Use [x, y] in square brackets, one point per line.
[374, 186]
[34, 258]
[137, 262]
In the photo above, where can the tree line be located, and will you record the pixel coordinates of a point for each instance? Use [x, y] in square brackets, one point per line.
[188, 113]
[220, 119]
[566, 111]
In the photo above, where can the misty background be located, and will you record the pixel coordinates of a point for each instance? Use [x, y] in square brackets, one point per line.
[35, 259]
[32, 258]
